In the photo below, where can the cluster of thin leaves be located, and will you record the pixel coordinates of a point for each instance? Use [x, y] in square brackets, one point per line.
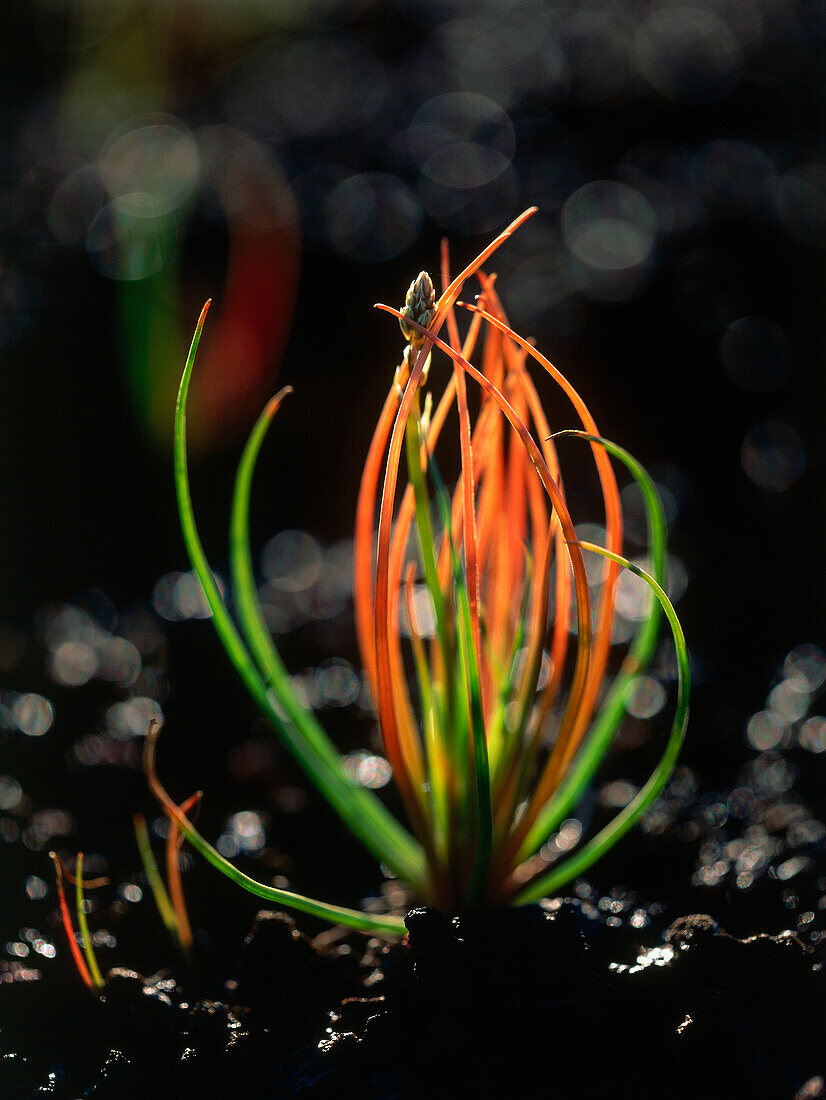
[491, 748]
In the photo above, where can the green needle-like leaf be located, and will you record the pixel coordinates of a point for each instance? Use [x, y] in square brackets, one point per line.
[83, 925]
[153, 877]
[469, 667]
[352, 918]
[614, 708]
[626, 818]
[362, 810]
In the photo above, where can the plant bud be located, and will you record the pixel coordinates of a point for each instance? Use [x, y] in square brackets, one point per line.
[419, 306]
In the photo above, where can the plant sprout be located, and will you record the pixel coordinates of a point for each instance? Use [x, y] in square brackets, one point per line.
[87, 967]
[170, 903]
[172, 909]
[493, 720]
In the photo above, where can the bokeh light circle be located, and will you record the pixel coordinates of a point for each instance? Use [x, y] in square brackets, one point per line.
[756, 354]
[372, 217]
[688, 54]
[773, 456]
[151, 169]
[610, 230]
[800, 200]
[461, 139]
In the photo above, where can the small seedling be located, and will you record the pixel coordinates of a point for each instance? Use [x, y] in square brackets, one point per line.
[499, 731]
[86, 966]
[172, 909]
[171, 903]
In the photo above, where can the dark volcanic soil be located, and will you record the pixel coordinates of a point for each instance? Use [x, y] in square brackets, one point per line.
[541, 998]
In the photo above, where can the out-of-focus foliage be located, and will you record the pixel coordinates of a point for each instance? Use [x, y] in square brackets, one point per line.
[184, 147]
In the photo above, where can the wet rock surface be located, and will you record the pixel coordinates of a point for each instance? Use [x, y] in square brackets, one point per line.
[516, 1000]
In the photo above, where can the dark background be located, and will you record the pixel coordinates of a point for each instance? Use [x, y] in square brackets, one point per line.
[674, 272]
[88, 502]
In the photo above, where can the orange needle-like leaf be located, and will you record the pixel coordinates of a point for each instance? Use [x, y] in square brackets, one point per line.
[402, 756]
[570, 736]
[450, 296]
[469, 507]
[580, 677]
[173, 872]
[562, 602]
[363, 542]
